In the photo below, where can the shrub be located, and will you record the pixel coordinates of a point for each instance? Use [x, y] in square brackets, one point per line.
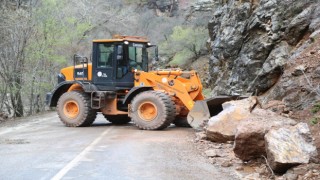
[180, 58]
[315, 108]
[315, 120]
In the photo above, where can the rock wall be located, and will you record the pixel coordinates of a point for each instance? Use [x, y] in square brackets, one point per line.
[252, 41]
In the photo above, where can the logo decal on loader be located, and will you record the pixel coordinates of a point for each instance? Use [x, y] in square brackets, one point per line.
[100, 74]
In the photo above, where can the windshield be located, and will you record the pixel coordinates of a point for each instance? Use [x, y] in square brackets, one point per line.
[138, 56]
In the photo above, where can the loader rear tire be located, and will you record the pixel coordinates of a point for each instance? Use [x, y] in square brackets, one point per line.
[118, 119]
[181, 122]
[74, 109]
[152, 110]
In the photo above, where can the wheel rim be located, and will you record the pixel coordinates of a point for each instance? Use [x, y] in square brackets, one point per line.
[147, 111]
[71, 109]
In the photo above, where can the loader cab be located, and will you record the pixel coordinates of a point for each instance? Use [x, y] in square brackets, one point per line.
[114, 62]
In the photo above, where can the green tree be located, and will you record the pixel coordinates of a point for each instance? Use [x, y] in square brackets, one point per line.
[184, 44]
[37, 39]
[57, 34]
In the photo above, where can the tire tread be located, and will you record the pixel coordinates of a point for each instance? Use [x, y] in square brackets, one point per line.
[89, 114]
[169, 110]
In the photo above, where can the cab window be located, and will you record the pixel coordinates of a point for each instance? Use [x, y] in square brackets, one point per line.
[105, 55]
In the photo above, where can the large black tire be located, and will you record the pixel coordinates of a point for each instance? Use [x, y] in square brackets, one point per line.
[74, 109]
[181, 122]
[152, 110]
[118, 119]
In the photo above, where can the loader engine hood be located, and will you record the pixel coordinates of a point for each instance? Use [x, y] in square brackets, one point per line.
[77, 72]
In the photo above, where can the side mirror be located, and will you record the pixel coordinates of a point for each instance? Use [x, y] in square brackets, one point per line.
[80, 59]
[156, 55]
[119, 50]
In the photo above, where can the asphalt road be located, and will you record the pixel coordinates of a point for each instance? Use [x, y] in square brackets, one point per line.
[41, 147]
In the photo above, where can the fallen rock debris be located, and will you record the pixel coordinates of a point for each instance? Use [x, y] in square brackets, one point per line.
[259, 143]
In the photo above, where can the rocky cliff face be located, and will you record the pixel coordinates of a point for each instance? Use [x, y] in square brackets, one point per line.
[252, 41]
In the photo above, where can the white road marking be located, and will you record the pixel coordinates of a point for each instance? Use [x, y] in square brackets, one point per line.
[79, 157]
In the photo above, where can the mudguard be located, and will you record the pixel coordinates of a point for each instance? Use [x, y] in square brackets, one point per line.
[134, 91]
[53, 96]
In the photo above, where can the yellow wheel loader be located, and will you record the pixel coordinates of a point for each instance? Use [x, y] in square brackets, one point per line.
[117, 83]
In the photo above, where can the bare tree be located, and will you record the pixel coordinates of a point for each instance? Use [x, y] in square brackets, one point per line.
[15, 33]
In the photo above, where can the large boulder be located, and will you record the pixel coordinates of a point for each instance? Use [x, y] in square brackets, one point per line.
[289, 146]
[222, 127]
[249, 137]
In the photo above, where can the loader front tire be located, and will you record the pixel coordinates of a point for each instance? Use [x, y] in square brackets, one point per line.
[118, 119]
[152, 110]
[74, 109]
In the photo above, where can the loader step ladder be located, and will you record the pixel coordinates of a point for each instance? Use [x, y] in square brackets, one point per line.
[97, 99]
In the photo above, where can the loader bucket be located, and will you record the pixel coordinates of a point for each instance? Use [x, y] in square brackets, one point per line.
[204, 109]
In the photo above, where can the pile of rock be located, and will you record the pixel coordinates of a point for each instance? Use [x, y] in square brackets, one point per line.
[261, 133]
[220, 154]
[305, 171]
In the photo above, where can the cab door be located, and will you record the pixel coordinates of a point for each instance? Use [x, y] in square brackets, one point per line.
[124, 75]
[102, 70]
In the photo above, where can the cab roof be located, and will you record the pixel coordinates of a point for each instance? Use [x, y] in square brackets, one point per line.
[119, 38]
